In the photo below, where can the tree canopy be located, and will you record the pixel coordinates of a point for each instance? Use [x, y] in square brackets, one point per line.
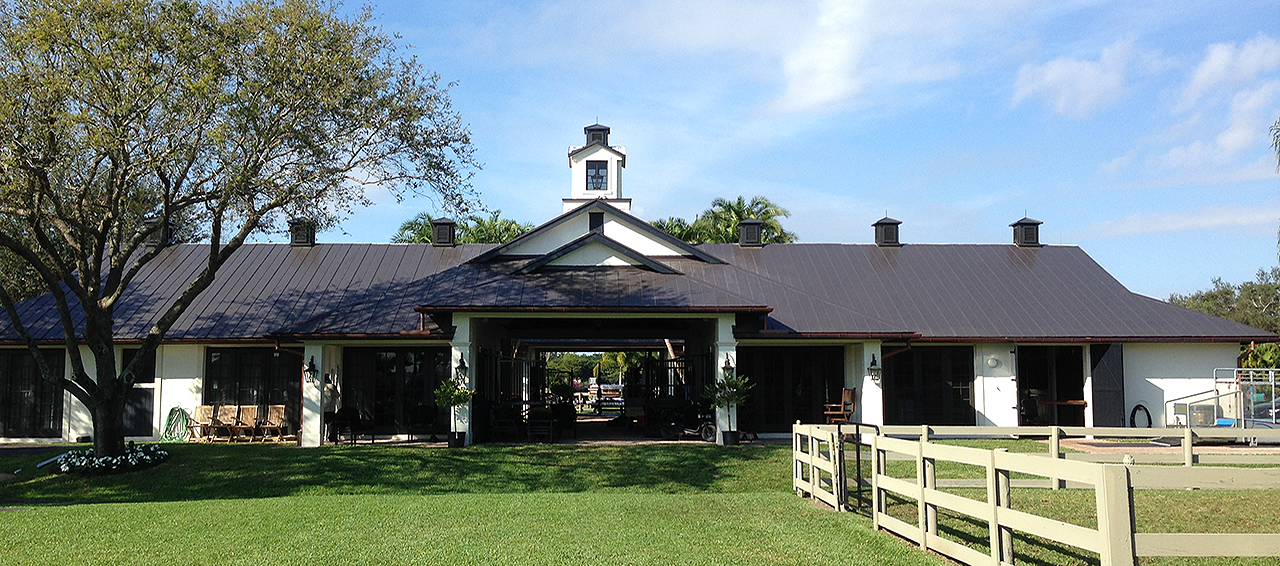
[1255, 303]
[121, 119]
[719, 224]
[474, 229]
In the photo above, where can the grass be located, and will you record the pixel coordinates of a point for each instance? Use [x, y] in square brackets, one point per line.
[493, 504]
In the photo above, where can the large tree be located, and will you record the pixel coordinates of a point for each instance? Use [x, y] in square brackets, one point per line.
[719, 224]
[119, 118]
[1255, 303]
[473, 229]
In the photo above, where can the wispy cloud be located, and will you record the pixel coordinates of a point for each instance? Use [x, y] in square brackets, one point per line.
[1226, 64]
[1248, 112]
[1182, 221]
[1077, 88]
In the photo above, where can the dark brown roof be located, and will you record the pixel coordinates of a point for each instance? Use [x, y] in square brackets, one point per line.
[937, 292]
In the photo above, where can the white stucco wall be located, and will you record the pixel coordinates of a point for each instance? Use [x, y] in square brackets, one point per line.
[578, 172]
[1156, 373]
[179, 379]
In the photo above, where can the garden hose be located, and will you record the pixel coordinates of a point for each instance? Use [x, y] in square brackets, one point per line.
[175, 428]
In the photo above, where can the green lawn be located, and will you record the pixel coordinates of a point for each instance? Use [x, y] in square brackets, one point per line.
[640, 504]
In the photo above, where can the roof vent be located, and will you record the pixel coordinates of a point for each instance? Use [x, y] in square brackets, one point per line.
[1026, 232]
[157, 235]
[887, 232]
[597, 134]
[596, 220]
[444, 232]
[302, 232]
[749, 233]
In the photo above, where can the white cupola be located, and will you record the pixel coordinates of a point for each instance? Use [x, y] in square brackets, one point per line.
[596, 171]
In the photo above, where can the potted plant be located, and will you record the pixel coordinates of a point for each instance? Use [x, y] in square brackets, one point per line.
[727, 393]
[451, 393]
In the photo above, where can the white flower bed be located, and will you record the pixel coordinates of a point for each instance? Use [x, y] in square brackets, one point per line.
[135, 457]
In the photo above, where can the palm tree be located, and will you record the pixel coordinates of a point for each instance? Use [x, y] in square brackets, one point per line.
[471, 230]
[680, 228]
[722, 220]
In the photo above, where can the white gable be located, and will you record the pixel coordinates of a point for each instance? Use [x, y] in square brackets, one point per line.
[593, 254]
[571, 229]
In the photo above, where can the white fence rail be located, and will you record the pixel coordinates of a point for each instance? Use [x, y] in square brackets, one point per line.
[1115, 539]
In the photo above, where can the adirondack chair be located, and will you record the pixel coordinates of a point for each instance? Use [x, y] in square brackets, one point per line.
[246, 421]
[200, 424]
[223, 421]
[842, 412]
[274, 421]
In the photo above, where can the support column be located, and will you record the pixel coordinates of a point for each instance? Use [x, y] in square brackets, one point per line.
[311, 428]
[726, 350]
[871, 395]
[461, 350]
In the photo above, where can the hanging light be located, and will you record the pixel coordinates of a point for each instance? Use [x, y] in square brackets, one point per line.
[310, 372]
[728, 366]
[873, 370]
[462, 366]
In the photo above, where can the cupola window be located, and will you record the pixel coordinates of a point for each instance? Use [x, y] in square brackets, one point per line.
[597, 175]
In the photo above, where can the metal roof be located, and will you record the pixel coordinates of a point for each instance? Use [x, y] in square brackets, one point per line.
[934, 292]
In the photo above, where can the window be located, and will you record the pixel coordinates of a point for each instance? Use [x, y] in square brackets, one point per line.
[596, 221]
[597, 175]
[254, 376]
[29, 406]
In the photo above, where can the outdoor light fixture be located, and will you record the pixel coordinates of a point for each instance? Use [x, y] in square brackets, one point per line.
[993, 362]
[728, 366]
[873, 370]
[310, 372]
[462, 366]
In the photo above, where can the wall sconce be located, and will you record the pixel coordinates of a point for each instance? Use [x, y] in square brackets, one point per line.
[873, 370]
[993, 362]
[728, 366]
[310, 372]
[462, 367]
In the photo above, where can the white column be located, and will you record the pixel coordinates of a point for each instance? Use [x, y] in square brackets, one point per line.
[312, 426]
[1088, 386]
[870, 406]
[726, 351]
[462, 351]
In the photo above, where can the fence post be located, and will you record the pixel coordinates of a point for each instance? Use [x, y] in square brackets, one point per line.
[1055, 452]
[1003, 499]
[1115, 516]
[922, 510]
[839, 478]
[877, 501]
[930, 481]
[1188, 457]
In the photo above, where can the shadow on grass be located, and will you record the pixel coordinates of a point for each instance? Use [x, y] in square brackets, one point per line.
[198, 472]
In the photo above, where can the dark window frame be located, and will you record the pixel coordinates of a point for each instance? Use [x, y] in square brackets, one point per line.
[597, 175]
[23, 412]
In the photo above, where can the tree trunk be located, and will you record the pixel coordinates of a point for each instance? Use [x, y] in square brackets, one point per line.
[108, 425]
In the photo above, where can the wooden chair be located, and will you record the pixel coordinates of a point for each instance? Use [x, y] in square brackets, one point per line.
[273, 421]
[225, 420]
[246, 421]
[200, 424]
[842, 412]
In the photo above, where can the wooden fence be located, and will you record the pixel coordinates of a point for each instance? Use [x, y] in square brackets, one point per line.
[818, 465]
[1115, 539]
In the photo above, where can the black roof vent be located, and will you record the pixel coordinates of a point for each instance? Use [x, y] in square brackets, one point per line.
[158, 236]
[749, 233]
[597, 134]
[596, 220]
[887, 232]
[444, 232]
[302, 232]
[1026, 232]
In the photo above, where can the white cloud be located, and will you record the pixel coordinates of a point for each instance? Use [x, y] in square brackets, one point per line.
[1205, 218]
[1225, 63]
[1077, 88]
[1118, 164]
[1249, 115]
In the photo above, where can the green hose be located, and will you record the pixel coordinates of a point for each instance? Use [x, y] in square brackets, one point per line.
[175, 428]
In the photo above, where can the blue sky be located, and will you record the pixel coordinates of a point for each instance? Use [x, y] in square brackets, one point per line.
[1136, 130]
